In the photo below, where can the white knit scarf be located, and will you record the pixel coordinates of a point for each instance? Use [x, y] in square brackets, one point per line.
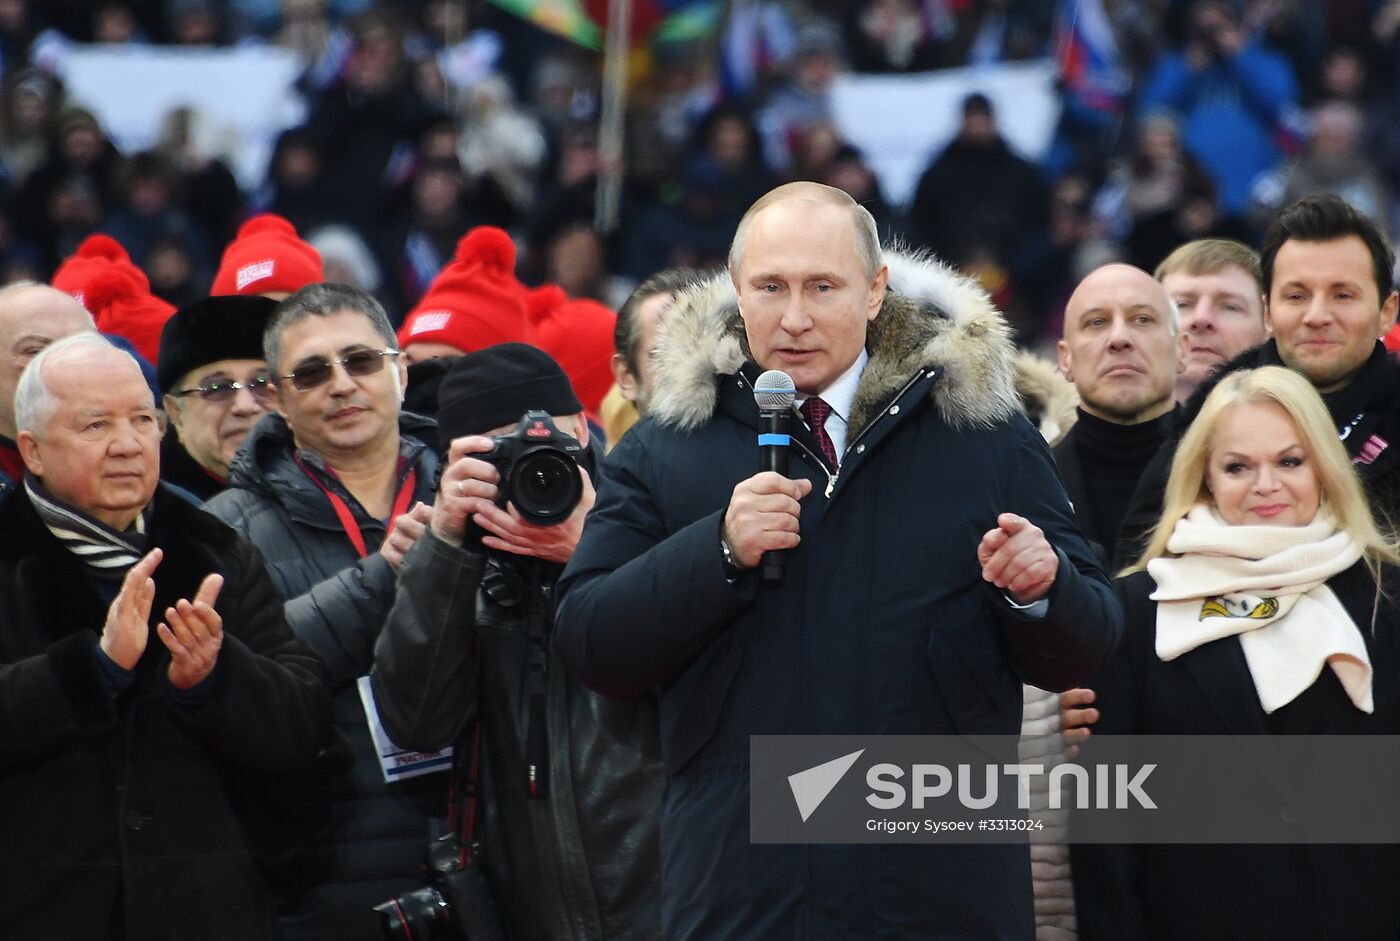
[1265, 584]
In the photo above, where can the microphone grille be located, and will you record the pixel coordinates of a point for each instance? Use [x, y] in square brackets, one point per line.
[774, 391]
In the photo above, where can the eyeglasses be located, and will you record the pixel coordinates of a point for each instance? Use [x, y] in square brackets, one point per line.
[318, 371]
[225, 390]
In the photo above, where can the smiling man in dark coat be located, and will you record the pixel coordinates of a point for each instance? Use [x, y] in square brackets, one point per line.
[932, 565]
[152, 696]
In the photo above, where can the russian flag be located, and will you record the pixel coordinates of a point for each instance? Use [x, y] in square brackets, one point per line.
[1088, 56]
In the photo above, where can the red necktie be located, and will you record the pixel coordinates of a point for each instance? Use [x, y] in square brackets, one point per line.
[816, 411]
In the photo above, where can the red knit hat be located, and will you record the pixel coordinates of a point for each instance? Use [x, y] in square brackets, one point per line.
[475, 301]
[100, 274]
[267, 255]
[579, 334]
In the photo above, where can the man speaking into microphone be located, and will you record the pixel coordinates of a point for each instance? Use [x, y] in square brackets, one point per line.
[931, 564]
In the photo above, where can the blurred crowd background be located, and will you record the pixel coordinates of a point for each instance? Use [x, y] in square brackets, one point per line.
[424, 118]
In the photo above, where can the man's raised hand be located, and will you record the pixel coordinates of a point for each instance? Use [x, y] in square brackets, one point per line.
[127, 629]
[408, 526]
[467, 487]
[1017, 558]
[193, 632]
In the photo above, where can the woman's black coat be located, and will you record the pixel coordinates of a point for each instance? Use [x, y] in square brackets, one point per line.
[1239, 892]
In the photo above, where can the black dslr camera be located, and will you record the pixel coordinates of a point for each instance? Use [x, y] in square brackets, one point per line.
[538, 465]
[456, 902]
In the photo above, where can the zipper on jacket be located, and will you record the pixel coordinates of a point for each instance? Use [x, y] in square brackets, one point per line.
[833, 478]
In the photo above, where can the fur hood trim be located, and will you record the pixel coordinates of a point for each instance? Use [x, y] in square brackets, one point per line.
[1050, 400]
[932, 316]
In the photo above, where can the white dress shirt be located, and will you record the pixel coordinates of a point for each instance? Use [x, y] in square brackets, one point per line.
[839, 395]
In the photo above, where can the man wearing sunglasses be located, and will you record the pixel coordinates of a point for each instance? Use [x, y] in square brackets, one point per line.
[216, 386]
[333, 485]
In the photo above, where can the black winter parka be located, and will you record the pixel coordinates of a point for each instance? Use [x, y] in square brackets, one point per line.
[882, 625]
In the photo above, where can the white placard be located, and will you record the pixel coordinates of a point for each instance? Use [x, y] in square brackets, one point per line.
[245, 95]
[397, 763]
[900, 122]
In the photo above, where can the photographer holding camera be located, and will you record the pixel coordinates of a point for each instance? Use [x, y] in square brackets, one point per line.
[567, 784]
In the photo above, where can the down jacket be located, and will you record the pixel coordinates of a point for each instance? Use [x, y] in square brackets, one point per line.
[883, 624]
[141, 816]
[337, 603]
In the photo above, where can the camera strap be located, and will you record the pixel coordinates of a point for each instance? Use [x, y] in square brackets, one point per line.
[462, 793]
[347, 517]
[538, 615]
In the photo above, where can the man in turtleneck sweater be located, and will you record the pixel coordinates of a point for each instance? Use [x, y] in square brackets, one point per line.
[1327, 269]
[1119, 349]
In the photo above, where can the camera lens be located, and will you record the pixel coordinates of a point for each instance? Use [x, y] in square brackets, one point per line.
[545, 486]
[415, 914]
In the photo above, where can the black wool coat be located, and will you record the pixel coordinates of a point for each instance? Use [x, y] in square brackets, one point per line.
[142, 817]
[1239, 892]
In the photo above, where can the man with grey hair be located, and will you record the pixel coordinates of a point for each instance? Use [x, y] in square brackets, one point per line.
[333, 488]
[931, 561]
[31, 317]
[151, 692]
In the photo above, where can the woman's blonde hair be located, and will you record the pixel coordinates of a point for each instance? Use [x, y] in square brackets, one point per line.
[1339, 489]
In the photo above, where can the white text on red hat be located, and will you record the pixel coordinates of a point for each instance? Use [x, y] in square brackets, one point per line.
[255, 271]
[433, 320]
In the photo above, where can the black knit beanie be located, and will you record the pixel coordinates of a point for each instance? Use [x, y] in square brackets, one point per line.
[496, 386]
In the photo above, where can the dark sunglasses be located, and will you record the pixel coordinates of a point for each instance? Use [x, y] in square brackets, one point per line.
[224, 391]
[315, 372]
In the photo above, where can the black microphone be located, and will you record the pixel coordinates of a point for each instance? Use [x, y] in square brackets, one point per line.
[774, 392]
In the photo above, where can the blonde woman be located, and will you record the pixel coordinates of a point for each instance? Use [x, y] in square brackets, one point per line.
[1254, 610]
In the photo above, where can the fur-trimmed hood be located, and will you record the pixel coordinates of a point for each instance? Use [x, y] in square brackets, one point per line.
[932, 316]
[1050, 400]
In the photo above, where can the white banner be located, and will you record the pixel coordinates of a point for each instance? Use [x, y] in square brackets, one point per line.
[244, 96]
[900, 122]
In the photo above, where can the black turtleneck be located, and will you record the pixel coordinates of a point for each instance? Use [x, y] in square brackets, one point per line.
[1112, 458]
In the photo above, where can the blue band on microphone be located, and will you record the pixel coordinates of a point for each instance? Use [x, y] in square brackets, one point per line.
[772, 440]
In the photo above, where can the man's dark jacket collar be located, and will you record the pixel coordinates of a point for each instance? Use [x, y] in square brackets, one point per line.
[265, 462]
[177, 467]
[1373, 388]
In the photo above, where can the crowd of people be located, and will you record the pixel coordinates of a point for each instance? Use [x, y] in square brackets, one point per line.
[1202, 118]
[385, 553]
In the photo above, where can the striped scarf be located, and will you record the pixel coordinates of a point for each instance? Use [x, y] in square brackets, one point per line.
[106, 552]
